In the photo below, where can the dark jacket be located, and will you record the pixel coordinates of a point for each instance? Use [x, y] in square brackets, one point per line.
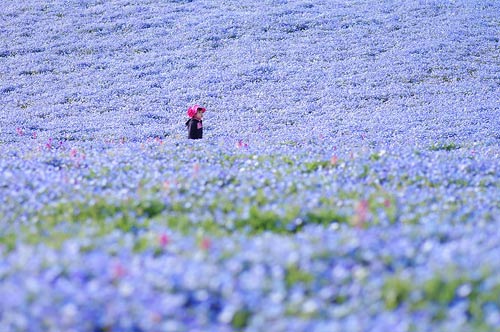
[195, 128]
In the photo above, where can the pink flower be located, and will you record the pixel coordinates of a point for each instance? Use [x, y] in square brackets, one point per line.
[240, 144]
[205, 244]
[169, 184]
[196, 168]
[48, 145]
[118, 271]
[164, 240]
[19, 131]
[361, 214]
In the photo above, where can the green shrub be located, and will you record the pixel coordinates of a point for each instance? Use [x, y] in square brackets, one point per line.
[395, 291]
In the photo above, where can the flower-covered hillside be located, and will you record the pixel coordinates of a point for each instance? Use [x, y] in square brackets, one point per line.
[394, 72]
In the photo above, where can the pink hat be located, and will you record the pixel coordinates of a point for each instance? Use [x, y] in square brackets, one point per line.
[191, 112]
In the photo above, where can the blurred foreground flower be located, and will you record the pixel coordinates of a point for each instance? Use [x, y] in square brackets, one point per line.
[164, 240]
[205, 243]
[361, 214]
[118, 271]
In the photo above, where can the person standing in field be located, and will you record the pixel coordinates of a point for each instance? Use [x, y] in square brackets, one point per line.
[195, 123]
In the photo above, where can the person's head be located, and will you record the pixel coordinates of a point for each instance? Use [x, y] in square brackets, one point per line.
[196, 111]
[199, 112]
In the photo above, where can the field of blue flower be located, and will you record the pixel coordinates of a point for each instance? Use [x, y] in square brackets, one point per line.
[348, 178]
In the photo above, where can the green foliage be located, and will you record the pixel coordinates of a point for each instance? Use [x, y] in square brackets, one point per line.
[179, 223]
[441, 290]
[288, 161]
[444, 147]
[384, 202]
[240, 319]
[313, 166]
[366, 171]
[325, 216]
[261, 221]
[8, 241]
[150, 208]
[395, 291]
[375, 156]
[126, 215]
[294, 275]
[141, 244]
